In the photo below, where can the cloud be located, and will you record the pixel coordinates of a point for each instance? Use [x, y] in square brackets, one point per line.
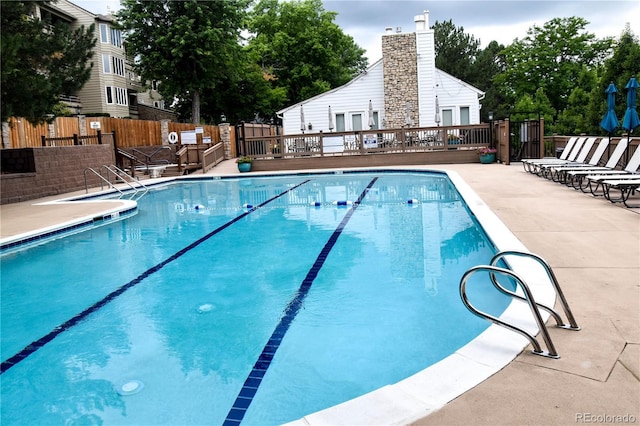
[499, 20]
[502, 21]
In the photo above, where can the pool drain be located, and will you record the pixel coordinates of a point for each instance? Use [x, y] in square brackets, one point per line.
[131, 387]
[205, 308]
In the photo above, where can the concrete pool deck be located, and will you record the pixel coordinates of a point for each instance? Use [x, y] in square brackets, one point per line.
[593, 247]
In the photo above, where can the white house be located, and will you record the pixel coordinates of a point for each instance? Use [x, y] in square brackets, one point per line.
[404, 88]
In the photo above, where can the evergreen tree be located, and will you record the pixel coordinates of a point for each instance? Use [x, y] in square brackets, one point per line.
[455, 50]
[41, 61]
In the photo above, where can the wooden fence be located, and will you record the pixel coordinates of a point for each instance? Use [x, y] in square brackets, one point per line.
[130, 133]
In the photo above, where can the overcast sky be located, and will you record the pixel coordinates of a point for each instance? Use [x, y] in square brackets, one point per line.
[500, 20]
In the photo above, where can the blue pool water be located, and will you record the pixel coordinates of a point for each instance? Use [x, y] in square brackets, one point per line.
[228, 300]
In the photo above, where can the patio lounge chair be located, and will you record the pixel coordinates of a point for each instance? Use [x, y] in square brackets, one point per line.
[557, 172]
[547, 170]
[536, 166]
[530, 165]
[626, 188]
[595, 179]
[574, 176]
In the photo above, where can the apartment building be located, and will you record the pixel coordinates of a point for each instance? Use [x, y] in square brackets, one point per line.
[113, 88]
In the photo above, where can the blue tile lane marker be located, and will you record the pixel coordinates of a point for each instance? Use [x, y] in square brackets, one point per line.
[250, 387]
[34, 346]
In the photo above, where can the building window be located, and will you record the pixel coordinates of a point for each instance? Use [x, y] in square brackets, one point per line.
[447, 117]
[464, 115]
[104, 37]
[106, 64]
[339, 122]
[117, 94]
[121, 96]
[356, 122]
[118, 66]
[116, 38]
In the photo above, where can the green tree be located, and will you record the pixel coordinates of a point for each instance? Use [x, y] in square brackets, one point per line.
[551, 57]
[186, 46]
[249, 98]
[455, 50]
[573, 119]
[41, 60]
[487, 65]
[619, 68]
[300, 49]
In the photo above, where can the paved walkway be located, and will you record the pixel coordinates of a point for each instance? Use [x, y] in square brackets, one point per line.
[593, 247]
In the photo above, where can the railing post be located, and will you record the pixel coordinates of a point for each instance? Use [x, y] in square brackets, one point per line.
[99, 137]
[44, 140]
[76, 141]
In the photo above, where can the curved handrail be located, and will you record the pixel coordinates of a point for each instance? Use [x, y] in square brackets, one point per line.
[551, 353]
[565, 305]
[102, 179]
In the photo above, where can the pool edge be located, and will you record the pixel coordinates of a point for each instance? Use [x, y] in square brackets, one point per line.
[425, 392]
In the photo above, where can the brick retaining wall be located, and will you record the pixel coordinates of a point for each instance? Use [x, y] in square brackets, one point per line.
[58, 170]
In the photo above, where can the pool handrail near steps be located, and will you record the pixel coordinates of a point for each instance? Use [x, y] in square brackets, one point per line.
[535, 307]
[119, 175]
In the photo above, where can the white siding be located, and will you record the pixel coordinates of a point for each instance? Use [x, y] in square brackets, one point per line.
[426, 78]
[454, 94]
[352, 98]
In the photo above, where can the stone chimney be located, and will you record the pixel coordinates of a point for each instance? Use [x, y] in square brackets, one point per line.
[400, 73]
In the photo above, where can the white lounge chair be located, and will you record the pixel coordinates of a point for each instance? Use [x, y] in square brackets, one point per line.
[630, 171]
[574, 176]
[547, 170]
[558, 172]
[569, 153]
[625, 187]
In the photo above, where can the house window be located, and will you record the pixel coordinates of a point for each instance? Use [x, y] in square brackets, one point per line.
[339, 122]
[106, 64]
[116, 95]
[356, 121]
[104, 37]
[118, 66]
[116, 38]
[447, 117]
[121, 96]
[464, 115]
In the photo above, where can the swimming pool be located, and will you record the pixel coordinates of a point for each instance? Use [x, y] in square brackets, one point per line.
[152, 353]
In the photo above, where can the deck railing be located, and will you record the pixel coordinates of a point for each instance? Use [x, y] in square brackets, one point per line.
[212, 156]
[368, 141]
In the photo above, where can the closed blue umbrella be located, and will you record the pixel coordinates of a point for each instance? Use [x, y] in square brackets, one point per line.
[610, 121]
[631, 120]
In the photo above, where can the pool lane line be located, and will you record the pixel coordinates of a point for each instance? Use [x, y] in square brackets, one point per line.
[253, 381]
[35, 345]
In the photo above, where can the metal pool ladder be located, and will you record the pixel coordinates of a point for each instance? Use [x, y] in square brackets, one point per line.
[492, 269]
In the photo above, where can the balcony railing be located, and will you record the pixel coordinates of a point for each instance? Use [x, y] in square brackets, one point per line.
[368, 142]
